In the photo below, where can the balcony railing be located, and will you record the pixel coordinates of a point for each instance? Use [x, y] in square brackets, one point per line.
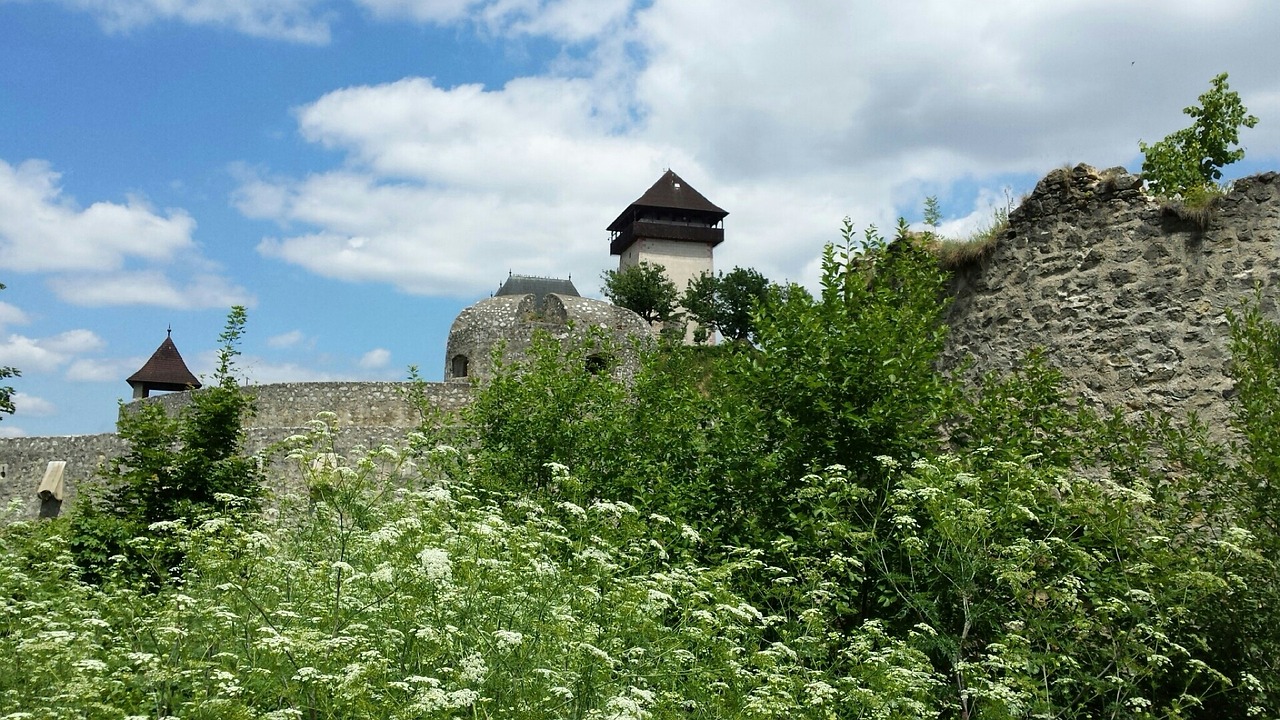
[664, 231]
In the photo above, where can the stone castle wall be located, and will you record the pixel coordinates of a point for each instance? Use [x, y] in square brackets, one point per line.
[1128, 296]
[368, 414]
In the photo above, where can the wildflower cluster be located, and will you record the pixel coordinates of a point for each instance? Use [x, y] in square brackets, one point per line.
[418, 598]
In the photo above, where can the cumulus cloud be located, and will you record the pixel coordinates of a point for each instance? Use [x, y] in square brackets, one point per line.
[102, 370]
[790, 116]
[375, 359]
[448, 187]
[90, 252]
[33, 355]
[31, 406]
[42, 231]
[303, 21]
[261, 372]
[11, 315]
[150, 287]
[8, 430]
[293, 338]
[566, 20]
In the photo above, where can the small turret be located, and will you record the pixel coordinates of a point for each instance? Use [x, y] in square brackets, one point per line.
[164, 371]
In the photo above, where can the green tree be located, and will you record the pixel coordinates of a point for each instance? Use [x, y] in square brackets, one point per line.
[932, 212]
[175, 469]
[1190, 161]
[725, 303]
[851, 374]
[643, 289]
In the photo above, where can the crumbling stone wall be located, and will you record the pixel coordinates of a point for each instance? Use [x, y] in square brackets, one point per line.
[362, 404]
[367, 414]
[23, 461]
[1128, 296]
[510, 322]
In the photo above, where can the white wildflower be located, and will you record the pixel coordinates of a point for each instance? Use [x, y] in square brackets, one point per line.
[436, 564]
[508, 638]
[819, 693]
[472, 669]
[91, 665]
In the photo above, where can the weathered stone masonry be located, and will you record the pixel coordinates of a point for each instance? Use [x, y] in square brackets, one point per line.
[1127, 297]
[368, 414]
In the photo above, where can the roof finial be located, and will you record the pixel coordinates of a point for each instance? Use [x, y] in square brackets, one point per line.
[169, 331]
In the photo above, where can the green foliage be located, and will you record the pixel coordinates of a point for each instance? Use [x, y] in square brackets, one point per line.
[175, 469]
[643, 289]
[932, 212]
[1189, 162]
[726, 303]
[1255, 367]
[448, 601]
[6, 391]
[820, 525]
[671, 439]
[851, 374]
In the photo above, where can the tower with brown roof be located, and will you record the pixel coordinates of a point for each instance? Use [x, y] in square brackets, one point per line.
[671, 225]
[164, 371]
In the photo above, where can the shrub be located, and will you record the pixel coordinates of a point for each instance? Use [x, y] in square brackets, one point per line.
[1189, 162]
[175, 470]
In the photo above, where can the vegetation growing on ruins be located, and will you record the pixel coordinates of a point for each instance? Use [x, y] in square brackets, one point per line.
[818, 525]
[1188, 163]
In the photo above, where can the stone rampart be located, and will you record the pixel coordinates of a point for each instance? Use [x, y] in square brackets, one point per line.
[377, 404]
[23, 461]
[1127, 295]
[367, 414]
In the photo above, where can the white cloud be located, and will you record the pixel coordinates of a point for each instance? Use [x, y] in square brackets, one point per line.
[293, 338]
[260, 372]
[11, 431]
[34, 355]
[42, 231]
[303, 21]
[91, 251]
[150, 287]
[375, 359]
[31, 406]
[452, 187]
[11, 315]
[102, 370]
[790, 116]
[566, 20]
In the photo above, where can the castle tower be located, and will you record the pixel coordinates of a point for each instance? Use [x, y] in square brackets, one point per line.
[164, 371]
[671, 225]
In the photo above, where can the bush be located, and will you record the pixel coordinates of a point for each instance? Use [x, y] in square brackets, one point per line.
[175, 470]
[1189, 162]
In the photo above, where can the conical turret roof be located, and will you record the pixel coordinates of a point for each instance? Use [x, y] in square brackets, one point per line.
[670, 193]
[165, 370]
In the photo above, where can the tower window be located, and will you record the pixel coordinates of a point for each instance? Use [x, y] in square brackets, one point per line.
[598, 364]
[458, 366]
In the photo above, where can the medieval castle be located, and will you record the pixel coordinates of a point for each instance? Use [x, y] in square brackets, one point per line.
[1127, 295]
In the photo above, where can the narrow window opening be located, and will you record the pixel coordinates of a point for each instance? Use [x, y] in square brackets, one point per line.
[598, 364]
[459, 366]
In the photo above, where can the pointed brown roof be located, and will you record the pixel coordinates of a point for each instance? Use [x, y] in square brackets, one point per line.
[165, 370]
[670, 193]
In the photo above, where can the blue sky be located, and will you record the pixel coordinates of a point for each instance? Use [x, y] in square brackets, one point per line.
[358, 171]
